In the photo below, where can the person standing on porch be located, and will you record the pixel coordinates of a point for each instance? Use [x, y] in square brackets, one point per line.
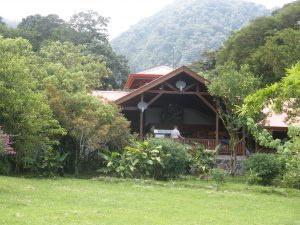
[175, 134]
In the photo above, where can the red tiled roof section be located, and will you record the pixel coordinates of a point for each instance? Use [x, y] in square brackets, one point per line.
[109, 96]
[135, 80]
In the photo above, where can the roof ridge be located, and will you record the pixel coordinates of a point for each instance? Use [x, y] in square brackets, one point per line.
[154, 68]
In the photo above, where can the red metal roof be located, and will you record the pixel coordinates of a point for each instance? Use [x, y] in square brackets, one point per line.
[146, 76]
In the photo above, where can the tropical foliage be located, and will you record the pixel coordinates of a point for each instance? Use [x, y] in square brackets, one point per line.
[263, 166]
[284, 95]
[156, 158]
[84, 28]
[202, 160]
[138, 160]
[46, 104]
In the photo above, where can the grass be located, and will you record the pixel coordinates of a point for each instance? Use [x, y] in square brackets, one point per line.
[117, 201]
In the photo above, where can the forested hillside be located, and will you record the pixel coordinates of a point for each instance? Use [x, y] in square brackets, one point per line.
[188, 26]
[268, 44]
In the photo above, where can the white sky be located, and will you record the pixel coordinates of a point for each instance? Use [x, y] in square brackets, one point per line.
[122, 13]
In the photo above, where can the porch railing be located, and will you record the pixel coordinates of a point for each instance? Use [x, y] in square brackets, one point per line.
[211, 144]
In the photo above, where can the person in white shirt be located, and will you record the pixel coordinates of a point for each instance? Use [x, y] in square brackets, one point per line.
[175, 134]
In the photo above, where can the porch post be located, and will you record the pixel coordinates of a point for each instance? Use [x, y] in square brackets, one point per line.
[141, 124]
[141, 119]
[217, 128]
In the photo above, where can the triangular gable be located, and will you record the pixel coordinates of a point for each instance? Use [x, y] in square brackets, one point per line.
[160, 80]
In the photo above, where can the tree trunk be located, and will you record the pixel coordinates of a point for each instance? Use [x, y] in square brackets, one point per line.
[233, 154]
[76, 163]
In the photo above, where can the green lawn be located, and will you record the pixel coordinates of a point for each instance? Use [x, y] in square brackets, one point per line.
[119, 202]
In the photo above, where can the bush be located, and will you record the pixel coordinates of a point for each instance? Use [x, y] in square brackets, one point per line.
[5, 165]
[5, 144]
[50, 163]
[138, 160]
[253, 178]
[292, 179]
[201, 160]
[155, 158]
[219, 176]
[265, 166]
[174, 158]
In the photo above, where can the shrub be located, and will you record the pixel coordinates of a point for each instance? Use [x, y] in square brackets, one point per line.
[6, 151]
[290, 155]
[201, 160]
[138, 160]
[174, 158]
[265, 166]
[5, 144]
[155, 158]
[292, 179]
[50, 163]
[5, 165]
[219, 176]
[253, 178]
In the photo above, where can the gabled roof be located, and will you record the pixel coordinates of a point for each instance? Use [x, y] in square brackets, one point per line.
[160, 80]
[147, 75]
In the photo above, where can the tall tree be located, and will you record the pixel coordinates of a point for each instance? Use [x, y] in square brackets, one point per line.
[91, 25]
[39, 29]
[116, 63]
[24, 111]
[69, 77]
[231, 86]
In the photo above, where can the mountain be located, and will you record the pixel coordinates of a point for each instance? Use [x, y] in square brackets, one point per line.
[186, 28]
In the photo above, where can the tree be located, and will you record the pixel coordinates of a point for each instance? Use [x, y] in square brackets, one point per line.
[74, 70]
[69, 77]
[206, 63]
[91, 25]
[231, 86]
[84, 30]
[38, 29]
[284, 95]
[24, 111]
[116, 63]
[282, 50]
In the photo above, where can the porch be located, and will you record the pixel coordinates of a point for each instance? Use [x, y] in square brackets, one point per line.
[179, 98]
[212, 144]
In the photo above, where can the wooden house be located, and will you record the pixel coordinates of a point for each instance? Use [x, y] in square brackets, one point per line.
[163, 97]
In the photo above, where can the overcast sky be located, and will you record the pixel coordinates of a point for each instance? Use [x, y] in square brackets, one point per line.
[122, 13]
